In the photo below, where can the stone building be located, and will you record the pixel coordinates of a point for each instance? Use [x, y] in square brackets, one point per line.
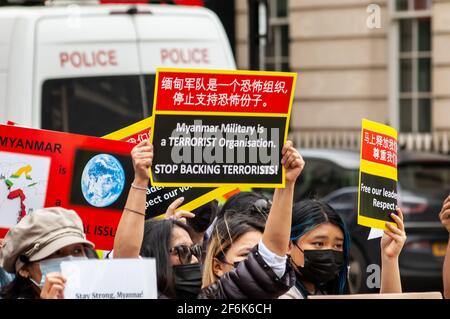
[385, 60]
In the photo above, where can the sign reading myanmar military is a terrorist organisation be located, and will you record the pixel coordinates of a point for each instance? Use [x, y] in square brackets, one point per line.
[377, 194]
[159, 198]
[220, 128]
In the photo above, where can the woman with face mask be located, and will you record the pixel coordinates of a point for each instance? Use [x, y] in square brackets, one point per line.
[34, 249]
[178, 269]
[234, 236]
[319, 252]
[168, 241]
[247, 259]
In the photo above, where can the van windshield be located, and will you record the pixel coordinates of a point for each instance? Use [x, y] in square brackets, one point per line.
[96, 106]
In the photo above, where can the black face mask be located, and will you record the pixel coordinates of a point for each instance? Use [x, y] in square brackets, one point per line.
[321, 266]
[188, 280]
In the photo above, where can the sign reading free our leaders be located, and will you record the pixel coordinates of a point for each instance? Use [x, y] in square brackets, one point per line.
[220, 128]
[377, 195]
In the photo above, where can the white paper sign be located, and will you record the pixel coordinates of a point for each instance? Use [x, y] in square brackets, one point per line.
[375, 233]
[110, 279]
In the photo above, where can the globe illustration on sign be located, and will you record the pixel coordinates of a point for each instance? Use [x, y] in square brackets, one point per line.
[103, 180]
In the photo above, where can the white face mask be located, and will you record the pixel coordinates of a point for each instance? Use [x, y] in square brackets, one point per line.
[52, 265]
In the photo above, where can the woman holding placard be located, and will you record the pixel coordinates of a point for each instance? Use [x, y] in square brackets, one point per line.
[35, 248]
[169, 241]
[247, 259]
[319, 252]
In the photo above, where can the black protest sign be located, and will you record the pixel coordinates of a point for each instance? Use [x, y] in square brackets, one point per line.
[159, 198]
[220, 128]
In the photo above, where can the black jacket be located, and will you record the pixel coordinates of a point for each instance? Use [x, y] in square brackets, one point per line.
[252, 279]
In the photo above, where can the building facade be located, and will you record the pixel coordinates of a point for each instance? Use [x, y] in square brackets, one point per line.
[385, 60]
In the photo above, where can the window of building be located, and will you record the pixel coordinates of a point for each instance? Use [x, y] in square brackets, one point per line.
[277, 49]
[96, 105]
[414, 69]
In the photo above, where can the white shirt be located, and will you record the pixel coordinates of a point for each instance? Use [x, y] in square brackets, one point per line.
[277, 263]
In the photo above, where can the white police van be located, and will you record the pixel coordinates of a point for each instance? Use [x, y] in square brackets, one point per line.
[90, 69]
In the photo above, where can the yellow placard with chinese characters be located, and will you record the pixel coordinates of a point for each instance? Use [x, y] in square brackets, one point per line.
[377, 191]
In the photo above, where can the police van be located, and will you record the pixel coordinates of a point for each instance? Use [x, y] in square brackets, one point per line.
[90, 69]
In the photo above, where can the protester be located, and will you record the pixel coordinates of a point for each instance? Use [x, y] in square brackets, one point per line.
[168, 241]
[317, 228]
[445, 220]
[234, 236]
[319, 252]
[250, 262]
[34, 249]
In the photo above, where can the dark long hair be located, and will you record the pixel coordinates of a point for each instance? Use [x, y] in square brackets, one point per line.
[204, 216]
[243, 202]
[309, 214]
[156, 244]
[20, 287]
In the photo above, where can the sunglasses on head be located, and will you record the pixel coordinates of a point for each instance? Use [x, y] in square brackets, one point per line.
[185, 252]
[262, 206]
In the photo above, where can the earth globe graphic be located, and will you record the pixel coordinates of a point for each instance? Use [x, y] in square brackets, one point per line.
[102, 180]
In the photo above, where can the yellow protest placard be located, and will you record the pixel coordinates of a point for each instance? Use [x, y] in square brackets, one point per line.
[377, 191]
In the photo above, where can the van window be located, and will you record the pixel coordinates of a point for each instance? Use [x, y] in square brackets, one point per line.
[96, 105]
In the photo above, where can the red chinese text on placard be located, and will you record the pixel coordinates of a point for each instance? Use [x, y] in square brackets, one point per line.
[379, 148]
[185, 91]
[138, 137]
